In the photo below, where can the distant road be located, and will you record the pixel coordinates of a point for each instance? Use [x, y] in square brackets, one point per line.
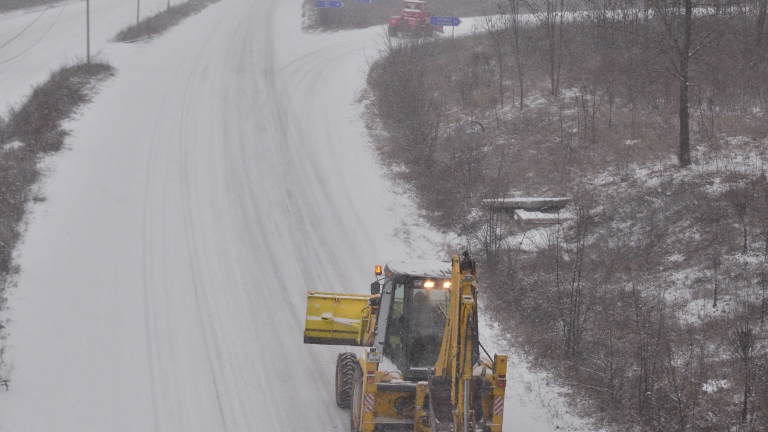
[35, 40]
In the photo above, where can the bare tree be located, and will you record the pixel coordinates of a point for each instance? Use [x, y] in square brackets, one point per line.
[647, 351]
[757, 46]
[679, 31]
[520, 39]
[762, 186]
[684, 34]
[716, 262]
[742, 344]
[494, 26]
[571, 296]
[739, 198]
[763, 278]
[6, 368]
[551, 18]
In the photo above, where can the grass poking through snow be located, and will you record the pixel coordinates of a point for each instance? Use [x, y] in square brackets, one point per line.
[28, 133]
[159, 23]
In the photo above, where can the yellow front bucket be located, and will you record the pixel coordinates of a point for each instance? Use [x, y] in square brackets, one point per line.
[334, 319]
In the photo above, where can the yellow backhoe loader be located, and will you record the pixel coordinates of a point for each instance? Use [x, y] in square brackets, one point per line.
[422, 370]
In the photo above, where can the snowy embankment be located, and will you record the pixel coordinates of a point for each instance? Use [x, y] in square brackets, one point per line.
[222, 174]
[533, 401]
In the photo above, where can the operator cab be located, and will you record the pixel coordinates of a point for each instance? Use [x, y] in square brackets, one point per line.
[414, 5]
[414, 304]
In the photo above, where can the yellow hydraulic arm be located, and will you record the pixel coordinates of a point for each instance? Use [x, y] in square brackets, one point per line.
[455, 360]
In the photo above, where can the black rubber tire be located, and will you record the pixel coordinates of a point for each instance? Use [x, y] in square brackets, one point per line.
[346, 363]
[393, 31]
[356, 408]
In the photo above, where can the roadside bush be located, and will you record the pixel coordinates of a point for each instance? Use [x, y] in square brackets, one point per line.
[37, 122]
[32, 131]
[157, 24]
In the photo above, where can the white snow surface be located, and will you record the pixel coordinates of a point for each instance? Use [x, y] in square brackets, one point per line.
[222, 174]
[533, 402]
[428, 268]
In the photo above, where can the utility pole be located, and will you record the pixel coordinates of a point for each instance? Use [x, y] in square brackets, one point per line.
[88, 30]
[138, 7]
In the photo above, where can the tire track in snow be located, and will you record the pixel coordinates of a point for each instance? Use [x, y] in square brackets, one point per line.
[160, 374]
[149, 261]
[189, 207]
[304, 75]
[307, 74]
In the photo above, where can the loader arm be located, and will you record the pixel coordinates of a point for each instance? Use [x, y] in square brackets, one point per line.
[460, 339]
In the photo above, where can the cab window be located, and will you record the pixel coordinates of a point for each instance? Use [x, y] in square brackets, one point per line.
[395, 339]
[427, 313]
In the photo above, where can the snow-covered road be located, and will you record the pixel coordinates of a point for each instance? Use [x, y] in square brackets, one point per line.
[33, 41]
[219, 176]
[214, 181]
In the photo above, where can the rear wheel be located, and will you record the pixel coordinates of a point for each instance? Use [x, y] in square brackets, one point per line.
[346, 364]
[356, 409]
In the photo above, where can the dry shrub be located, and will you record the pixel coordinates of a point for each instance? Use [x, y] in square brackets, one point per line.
[32, 131]
[37, 122]
[157, 24]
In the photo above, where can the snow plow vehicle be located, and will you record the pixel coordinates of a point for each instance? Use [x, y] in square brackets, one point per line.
[413, 20]
[422, 370]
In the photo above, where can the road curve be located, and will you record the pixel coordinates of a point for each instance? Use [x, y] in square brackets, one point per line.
[222, 174]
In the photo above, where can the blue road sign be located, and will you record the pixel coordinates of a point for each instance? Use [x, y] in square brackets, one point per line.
[363, 1]
[328, 4]
[444, 21]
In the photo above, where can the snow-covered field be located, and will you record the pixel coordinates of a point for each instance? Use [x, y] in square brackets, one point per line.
[219, 176]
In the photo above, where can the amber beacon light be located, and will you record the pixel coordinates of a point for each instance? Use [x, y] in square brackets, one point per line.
[377, 270]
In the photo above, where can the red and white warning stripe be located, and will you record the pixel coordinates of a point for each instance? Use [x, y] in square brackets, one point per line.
[369, 403]
[498, 406]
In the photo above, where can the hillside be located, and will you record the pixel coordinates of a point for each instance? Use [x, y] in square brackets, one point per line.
[649, 304]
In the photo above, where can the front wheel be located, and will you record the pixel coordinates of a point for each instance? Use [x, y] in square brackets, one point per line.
[393, 31]
[356, 409]
[346, 363]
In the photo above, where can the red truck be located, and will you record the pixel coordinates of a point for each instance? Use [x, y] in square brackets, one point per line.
[413, 20]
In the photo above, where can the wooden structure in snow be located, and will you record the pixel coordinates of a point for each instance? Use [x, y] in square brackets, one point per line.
[531, 212]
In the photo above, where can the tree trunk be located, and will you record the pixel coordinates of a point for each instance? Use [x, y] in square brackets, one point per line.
[501, 77]
[684, 156]
[747, 393]
[560, 46]
[551, 38]
[744, 230]
[759, 31]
